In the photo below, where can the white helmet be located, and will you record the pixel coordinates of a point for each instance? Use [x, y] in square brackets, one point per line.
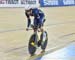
[28, 7]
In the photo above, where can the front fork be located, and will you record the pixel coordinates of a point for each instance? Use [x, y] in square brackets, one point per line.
[35, 43]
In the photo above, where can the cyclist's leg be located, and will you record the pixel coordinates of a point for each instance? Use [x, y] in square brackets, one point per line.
[41, 23]
[42, 20]
[35, 23]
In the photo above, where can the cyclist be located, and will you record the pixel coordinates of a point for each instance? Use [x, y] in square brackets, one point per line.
[39, 19]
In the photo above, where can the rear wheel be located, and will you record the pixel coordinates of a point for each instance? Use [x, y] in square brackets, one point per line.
[43, 40]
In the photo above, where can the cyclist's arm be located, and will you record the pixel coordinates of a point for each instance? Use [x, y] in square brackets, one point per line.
[28, 19]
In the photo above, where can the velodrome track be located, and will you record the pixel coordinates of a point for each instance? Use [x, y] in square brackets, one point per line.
[60, 25]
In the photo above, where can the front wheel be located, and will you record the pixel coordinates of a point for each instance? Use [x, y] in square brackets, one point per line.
[32, 43]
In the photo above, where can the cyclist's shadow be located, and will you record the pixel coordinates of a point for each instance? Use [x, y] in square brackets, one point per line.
[36, 57]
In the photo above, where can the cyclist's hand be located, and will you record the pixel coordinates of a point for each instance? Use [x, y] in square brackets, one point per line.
[27, 29]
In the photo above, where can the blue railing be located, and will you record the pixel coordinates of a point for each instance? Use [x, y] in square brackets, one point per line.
[52, 3]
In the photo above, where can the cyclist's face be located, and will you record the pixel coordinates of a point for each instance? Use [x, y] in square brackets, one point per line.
[29, 12]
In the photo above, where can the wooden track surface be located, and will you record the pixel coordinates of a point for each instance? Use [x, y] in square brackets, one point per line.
[60, 25]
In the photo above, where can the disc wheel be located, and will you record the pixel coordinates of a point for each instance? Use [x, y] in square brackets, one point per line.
[32, 43]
